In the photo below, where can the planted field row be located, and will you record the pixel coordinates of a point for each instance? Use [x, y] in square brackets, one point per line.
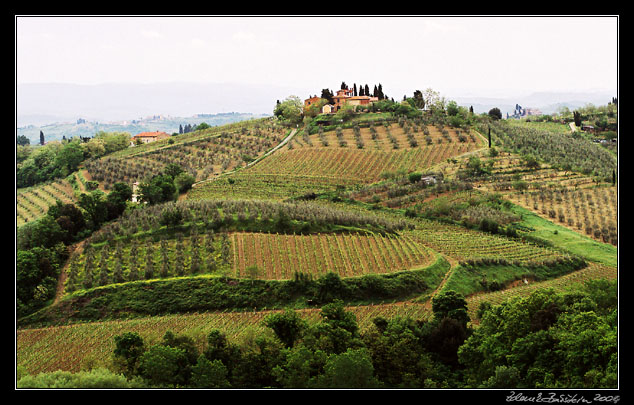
[254, 215]
[279, 257]
[275, 257]
[509, 168]
[33, 203]
[383, 137]
[275, 187]
[558, 149]
[149, 260]
[466, 244]
[72, 347]
[349, 165]
[590, 210]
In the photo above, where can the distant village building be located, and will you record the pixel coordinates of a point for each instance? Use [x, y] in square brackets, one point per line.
[147, 137]
[135, 193]
[520, 112]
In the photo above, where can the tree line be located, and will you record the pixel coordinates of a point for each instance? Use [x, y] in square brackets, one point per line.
[59, 159]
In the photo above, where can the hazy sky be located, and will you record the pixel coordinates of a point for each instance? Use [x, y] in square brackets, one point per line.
[478, 55]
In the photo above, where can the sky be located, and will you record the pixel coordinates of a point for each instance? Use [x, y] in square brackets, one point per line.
[465, 55]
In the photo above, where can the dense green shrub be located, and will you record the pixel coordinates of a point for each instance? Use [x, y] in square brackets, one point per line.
[95, 379]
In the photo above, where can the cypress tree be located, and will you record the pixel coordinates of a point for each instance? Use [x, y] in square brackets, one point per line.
[103, 267]
[117, 272]
[88, 268]
[149, 267]
[613, 177]
[134, 271]
[489, 137]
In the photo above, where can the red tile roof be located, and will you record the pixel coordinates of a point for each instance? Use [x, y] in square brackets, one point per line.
[149, 134]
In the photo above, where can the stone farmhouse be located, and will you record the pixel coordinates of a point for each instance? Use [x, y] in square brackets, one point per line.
[343, 97]
[147, 137]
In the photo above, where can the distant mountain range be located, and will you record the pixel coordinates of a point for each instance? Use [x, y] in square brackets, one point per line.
[39, 104]
[82, 110]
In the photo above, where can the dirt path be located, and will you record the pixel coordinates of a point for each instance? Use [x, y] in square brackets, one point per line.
[63, 275]
[452, 265]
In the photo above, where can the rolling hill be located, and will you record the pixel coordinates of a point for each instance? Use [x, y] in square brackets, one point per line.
[344, 215]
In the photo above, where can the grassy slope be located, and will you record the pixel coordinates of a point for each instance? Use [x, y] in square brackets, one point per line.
[564, 238]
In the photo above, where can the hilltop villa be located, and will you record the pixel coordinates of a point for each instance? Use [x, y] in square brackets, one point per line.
[147, 137]
[343, 97]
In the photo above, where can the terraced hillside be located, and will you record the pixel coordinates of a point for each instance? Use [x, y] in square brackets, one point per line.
[343, 158]
[139, 247]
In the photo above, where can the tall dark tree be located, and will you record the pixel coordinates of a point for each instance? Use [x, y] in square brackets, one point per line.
[613, 177]
[42, 138]
[450, 304]
[419, 101]
[23, 140]
[326, 94]
[495, 113]
[287, 326]
[355, 90]
[489, 136]
[129, 347]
